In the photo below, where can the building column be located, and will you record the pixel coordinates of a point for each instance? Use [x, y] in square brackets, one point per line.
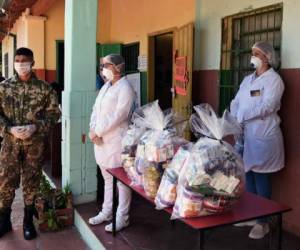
[78, 162]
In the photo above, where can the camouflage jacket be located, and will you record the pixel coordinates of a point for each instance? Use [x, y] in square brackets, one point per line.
[23, 103]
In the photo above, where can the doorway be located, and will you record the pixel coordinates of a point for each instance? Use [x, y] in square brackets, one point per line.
[160, 67]
[60, 64]
[56, 136]
[163, 47]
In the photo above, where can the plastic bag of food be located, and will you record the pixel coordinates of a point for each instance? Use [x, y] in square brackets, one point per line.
[166, 194]
[151, 178]
[214, 172]
[158, 144]
[129, 146]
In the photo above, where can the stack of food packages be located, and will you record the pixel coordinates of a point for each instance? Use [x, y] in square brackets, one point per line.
[156, 147]
[213, 177]
[129, 146]
[166, 194]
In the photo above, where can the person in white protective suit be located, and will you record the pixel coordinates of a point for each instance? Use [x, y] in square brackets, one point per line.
[255, 106]
[109, 122]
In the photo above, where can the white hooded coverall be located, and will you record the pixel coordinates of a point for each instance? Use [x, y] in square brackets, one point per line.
[110, 119]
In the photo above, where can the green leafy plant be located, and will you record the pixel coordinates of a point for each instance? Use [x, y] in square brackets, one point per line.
[67, 188]
[46, 189]
[49, 203]
[52, 220]
[68, 195]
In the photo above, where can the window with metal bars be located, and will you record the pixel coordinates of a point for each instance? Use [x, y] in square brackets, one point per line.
[6, 65]
[239, 33]
[130, 53]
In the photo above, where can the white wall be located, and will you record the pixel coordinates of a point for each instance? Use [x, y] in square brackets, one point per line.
[208, 20]
[8, 47]
[30, 33]
[20, 29]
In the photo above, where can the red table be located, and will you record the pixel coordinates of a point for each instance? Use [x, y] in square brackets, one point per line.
[249, 207]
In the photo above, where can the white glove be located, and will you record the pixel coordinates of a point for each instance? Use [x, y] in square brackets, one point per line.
[18, 132]
[29, 131]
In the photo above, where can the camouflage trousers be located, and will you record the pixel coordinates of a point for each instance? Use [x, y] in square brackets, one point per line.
[20, 162]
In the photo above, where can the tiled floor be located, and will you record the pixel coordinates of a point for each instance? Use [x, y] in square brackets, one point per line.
[151, 230]
[63, 240]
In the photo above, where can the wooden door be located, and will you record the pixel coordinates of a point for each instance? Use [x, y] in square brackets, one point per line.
[183, 49]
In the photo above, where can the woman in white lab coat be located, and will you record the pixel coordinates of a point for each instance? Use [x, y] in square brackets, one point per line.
[255, 106]
[109, 122]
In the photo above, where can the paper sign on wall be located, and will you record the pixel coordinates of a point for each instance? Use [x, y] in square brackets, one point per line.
[181, 75]
[142, 63]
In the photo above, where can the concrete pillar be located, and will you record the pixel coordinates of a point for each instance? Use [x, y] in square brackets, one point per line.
[79, 167]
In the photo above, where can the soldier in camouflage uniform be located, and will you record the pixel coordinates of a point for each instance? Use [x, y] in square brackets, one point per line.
[28, 109]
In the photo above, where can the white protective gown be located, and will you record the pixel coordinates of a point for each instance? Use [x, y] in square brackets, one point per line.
[255, 106]
[110, 119]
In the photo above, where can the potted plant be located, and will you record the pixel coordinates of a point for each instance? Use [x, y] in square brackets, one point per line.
[54, 206]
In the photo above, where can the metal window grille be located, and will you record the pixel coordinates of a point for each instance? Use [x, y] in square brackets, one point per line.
[130, 53]
[6, 65]
[239, 33]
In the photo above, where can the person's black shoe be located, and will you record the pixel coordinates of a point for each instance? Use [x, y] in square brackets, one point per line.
[28, 226]
[5, 223]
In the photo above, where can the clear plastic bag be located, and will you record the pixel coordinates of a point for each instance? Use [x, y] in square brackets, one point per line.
[166, 194]
[158, 144]
[151, 178]
[129, 146]
[213, 178]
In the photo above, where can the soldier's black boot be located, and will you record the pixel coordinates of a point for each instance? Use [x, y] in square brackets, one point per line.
[28, 226]
[5, 223]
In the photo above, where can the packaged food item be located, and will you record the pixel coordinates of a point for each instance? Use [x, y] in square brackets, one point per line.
[129, 147]
[151, 179]
[214, 172]
[157, 146]
[166, 194]
[190, 204]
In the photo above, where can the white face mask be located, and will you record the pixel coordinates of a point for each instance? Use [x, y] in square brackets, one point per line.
[255, 62]
[22, 68]
[108, 74]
